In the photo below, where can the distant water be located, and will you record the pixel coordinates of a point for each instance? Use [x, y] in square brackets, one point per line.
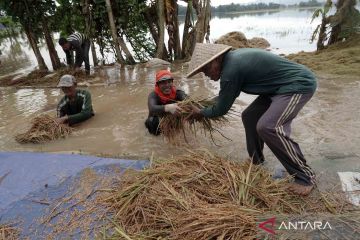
[288, 31]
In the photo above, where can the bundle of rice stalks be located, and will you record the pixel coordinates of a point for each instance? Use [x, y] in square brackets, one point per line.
[8, 232]
[44, 128]
[199, 196]
[171, 126]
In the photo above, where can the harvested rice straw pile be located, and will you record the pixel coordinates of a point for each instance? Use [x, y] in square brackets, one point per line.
[45, 78]
[44, 128]
[196, 196]
[8, 232]
[172, 126]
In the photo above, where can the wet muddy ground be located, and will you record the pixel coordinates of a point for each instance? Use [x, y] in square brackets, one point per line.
[327, 128]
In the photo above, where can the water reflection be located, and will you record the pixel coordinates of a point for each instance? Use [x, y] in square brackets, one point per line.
[29, 101]
[121, 109]
[14, 54]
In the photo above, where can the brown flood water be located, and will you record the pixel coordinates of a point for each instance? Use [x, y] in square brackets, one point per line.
[327, 128]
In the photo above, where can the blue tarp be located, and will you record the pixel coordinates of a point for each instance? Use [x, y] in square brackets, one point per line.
[25, 176]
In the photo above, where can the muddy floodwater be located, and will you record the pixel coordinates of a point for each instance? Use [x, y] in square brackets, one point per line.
[327, 128]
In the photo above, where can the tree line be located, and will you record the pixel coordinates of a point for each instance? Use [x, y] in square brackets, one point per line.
[254, 7]
[113, 25]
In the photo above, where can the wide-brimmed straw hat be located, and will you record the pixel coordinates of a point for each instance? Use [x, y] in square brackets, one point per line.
[203, 54]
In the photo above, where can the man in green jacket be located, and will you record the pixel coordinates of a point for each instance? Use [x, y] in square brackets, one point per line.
[283, 88]
[75, 106]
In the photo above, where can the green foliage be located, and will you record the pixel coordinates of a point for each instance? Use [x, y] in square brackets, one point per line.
[130, 24]
[130, 18]
[320, 12]
[11, 27]
[67, 17]
[28, 13]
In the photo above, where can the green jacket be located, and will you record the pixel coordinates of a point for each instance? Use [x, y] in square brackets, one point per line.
[79, 110]
[258, 72]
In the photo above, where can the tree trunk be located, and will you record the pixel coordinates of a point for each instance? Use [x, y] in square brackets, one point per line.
[173, 29]
[322, 34]
[343, 8]
[155, 35]
[177, 47]
[93, 51]
[114, 32]
[186, 41]
[207, 22]
[202, 23]
[87, 16]
[335, 30]
[129, 57]
[88, 27]
[31, 37]
[55, 61]
[161, 23]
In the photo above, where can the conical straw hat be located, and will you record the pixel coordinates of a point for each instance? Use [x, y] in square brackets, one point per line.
[203, 54]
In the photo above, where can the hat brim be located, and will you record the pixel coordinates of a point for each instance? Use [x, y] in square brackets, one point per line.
[197, 69]
[65, 85]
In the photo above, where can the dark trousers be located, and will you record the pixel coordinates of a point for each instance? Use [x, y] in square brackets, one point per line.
[86, 48]
[268, 120]
[152, 124]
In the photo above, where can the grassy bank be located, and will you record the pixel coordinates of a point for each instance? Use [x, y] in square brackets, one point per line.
[342, 58]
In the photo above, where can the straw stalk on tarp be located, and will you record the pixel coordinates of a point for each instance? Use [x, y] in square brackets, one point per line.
[197, 196]
[8, 232]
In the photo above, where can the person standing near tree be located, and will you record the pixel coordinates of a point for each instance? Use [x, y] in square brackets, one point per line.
[81, 45]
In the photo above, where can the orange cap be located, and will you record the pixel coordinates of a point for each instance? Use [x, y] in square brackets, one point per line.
[163, 75]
